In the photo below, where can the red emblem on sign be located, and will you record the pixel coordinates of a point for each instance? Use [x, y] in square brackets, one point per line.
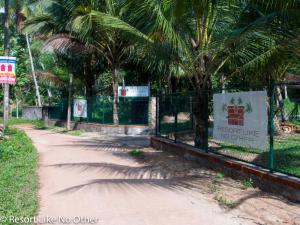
[236, 115]
[123, 92]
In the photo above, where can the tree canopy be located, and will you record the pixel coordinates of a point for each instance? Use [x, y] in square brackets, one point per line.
[178, 45]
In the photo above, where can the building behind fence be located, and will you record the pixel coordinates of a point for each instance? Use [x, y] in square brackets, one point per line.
[176, 122]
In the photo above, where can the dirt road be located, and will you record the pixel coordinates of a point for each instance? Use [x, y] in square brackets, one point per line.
[96, 179]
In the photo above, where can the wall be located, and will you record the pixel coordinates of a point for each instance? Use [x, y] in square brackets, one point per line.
[104, 129]
[32, 112]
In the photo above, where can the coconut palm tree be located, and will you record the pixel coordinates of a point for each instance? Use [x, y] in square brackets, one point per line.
[98, 26]
[210, 37]
[198, 33]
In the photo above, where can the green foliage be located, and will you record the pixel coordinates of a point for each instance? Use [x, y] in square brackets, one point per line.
[232, 101]
[286, 154]
[136, 153]
[248, 183]
[224, 202]
[240, 101]
[19, 121]
[249, 108]
[242, 44]
[219, 177]
[18, 177]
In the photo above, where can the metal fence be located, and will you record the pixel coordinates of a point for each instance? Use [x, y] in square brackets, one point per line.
[178, 120]
[131, 111]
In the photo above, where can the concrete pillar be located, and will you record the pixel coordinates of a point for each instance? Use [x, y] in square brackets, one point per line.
[45, 113]
[152, 112]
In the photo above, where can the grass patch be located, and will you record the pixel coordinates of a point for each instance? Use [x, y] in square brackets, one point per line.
[286, 154]
[39, 124]
[224, 202]
[216, 181]
[218, 178]
[248, 183]
[63, 130]
[75, 132]
[19, 121]
[18, 178]
[136, 153]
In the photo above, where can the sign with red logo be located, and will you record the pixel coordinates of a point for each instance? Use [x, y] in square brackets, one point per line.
[134, 91]
[7, 70]
[80, 108]
[241, 118]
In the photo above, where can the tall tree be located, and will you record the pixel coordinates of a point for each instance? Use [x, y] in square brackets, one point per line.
[99, 26]
[197, 33]
[211, 38]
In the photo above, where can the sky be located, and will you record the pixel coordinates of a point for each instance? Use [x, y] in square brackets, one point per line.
[1, 10]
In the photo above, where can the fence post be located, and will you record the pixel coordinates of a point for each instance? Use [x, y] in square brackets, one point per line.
[176, 119]
[271, 127]
[206, 121]
[156, 115]
[191, 98]
[158, 112]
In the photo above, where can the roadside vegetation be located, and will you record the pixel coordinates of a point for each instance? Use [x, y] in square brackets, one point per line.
[18, 175]
[39, 124]
[136, 153]
[286, 154]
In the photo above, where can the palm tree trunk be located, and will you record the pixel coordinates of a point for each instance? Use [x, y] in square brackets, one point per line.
[200, 112]
[284, 115]
[70, 102]
[18, 14]
[115, 77]
[37, 91]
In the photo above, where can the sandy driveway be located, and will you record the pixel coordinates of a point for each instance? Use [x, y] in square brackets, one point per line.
[96, 179]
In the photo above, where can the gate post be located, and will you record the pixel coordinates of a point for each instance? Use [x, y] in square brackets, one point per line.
[271, 127]
[152, 113]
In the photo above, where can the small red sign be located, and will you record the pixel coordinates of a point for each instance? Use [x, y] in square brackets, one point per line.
[123, 92]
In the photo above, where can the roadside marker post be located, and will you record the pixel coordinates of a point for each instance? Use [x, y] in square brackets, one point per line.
[7, 77]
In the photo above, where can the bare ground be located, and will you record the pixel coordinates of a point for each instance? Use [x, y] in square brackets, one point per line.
[95, 176]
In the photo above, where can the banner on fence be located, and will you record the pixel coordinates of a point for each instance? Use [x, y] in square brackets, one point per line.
[7, 70]
[241, 118]
[134, 91]
[80, 108]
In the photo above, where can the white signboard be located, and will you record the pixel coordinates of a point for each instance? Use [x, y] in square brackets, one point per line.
[241, 118]
[80, 108]
[134, 91]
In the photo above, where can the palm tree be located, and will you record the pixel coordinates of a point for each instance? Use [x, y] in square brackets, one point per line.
[98, 26]
[207, 37]
[198, 36]
[17, 6]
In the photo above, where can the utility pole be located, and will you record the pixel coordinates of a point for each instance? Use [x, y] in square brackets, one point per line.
[37, 91]
[6, 53]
